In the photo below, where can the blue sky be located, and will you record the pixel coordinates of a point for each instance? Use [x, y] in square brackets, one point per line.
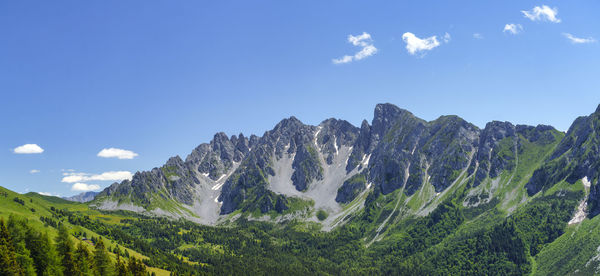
[157, 78]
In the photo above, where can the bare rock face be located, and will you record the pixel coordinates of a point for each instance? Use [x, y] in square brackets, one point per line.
[306, 167]
[175, 179]
[360, 148]
[216, 158]
[407, 151]
[351, 188]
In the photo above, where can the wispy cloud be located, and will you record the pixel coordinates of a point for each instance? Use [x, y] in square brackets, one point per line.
[447, 37]
[513, 28]
[579, 40]
[415, 45]
[48, 194]
[83, 187]
[74, 177]
[34, 171]
[117, 153]
[28, 149]
[477, 36]
[364, 40]
[543, 13]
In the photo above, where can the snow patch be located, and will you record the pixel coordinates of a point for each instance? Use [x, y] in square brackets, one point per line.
[335, 145]
[365, 160]
[316, 136]
[219, 183]
[586, 182]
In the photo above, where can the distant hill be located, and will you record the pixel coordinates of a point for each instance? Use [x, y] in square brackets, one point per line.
[83, 197]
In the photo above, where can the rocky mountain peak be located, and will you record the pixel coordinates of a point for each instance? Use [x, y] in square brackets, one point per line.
[175, 161]
[290, 123]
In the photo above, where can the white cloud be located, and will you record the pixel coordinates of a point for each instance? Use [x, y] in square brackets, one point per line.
[415, 44]
[364, 40]
[106, 176]
[34, 171]
[578, 40]
[477, 36]
[82, 187]
[117, 153]
[447, 37]
[46, 194]
[543, 13]
[513, 28]
[28, 149]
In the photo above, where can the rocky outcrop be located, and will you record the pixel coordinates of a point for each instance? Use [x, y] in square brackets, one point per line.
[333, 135]
[361, 147]
[175, 180]
[496, 151]
[307, 167]
[216, 158]
[351, 188]
[577, 156]
[247, 187]
[407, 150]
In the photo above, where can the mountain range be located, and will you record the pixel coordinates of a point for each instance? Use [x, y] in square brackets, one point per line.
[295, 171]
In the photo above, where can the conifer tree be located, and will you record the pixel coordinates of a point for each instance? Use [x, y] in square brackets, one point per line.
[102, 264]
[8, 260]
[64, 247]
[18, 231]
[82, 259]
[120, 268]
[43, 253]
[136, 267]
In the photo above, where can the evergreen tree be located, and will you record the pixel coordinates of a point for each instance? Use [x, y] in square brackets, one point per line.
[136, 267]
[43, 253]
[18, 230]
[64, 247]
[82, 259]
[102, 262]
[8, 260]
[120, 268]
